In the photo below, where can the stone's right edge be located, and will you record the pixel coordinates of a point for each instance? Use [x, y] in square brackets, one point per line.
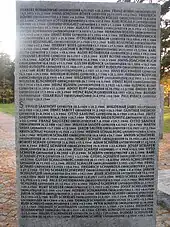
[158, 43]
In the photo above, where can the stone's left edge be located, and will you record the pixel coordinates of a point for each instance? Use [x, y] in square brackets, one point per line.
[17, 70]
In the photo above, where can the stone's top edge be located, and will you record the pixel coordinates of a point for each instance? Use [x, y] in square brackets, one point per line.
[92, 4]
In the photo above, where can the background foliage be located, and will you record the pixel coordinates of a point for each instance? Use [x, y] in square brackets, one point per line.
[165, 51]
[6, 79]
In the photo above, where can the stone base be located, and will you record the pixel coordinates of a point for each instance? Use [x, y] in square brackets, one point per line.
[90, 222]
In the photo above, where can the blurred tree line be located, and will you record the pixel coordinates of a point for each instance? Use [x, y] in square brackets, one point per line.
[7, 79]
[165, 51]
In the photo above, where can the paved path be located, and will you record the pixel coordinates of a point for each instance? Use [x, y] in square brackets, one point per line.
[7, 123]
[7, 131]
[8, 205]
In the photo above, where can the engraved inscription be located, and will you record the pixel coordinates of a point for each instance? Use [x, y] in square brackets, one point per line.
[87, 161]
[87, 53]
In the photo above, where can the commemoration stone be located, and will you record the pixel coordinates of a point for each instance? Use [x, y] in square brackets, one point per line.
[87, 79]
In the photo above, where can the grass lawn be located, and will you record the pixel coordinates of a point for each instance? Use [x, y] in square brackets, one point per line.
[8, 108]
[166, 119]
